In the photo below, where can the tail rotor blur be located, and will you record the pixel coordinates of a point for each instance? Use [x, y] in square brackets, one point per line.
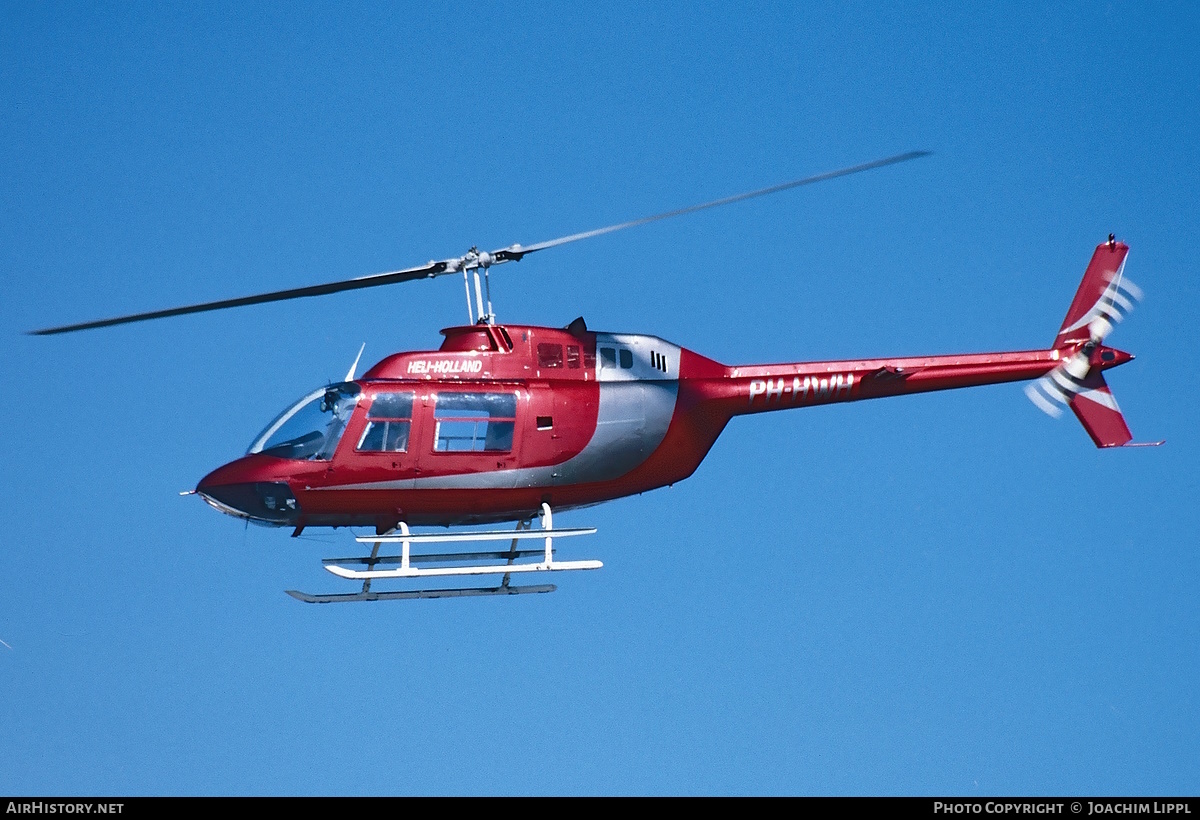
[1119, 299]
[1057, 388]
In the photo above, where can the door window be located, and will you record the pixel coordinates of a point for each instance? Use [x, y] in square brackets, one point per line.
[388, 422]
[474, 422]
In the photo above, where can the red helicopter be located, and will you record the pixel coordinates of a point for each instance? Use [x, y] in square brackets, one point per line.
[505, 423]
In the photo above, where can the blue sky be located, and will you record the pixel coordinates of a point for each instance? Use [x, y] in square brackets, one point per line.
[946, 594]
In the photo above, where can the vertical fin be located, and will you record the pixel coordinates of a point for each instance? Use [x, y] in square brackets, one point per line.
[1100, 297]
[1099, 414]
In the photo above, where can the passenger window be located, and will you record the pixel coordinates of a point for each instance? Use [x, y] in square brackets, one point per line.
[626, 358]
[475, 422]
[388, 421]
[550, 355]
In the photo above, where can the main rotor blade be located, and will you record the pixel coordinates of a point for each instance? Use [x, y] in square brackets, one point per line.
[469, 261]
[517, 251]
[423, 272]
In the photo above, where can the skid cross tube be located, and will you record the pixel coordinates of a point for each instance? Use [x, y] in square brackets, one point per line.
[406, 570]
[407, 561]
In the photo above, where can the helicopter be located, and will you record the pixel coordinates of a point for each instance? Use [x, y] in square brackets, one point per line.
[507, 423]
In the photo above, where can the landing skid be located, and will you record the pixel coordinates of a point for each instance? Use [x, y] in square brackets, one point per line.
[406, 594]
[450, 563]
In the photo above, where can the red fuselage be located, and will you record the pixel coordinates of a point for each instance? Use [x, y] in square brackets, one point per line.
[501, 419]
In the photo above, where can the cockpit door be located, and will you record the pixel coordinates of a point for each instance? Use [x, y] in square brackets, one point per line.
[384, 433]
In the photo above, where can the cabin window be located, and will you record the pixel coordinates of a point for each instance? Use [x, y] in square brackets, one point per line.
[608, 357]
[626, 358]
[388, 421]
[474, 422]
[550, 355]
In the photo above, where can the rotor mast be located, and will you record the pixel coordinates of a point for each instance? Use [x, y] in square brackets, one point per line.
[475, 261]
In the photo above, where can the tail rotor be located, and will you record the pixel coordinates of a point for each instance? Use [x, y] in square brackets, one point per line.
[1104, 298]
[1057, 388]
[1060, 385]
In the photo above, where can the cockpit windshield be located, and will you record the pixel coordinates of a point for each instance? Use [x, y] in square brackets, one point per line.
[312, 427]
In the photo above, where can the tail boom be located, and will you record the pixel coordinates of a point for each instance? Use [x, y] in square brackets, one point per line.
[760, 388]
[1067, 374]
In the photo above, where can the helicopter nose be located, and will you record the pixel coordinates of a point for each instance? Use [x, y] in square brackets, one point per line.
[233, 490]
